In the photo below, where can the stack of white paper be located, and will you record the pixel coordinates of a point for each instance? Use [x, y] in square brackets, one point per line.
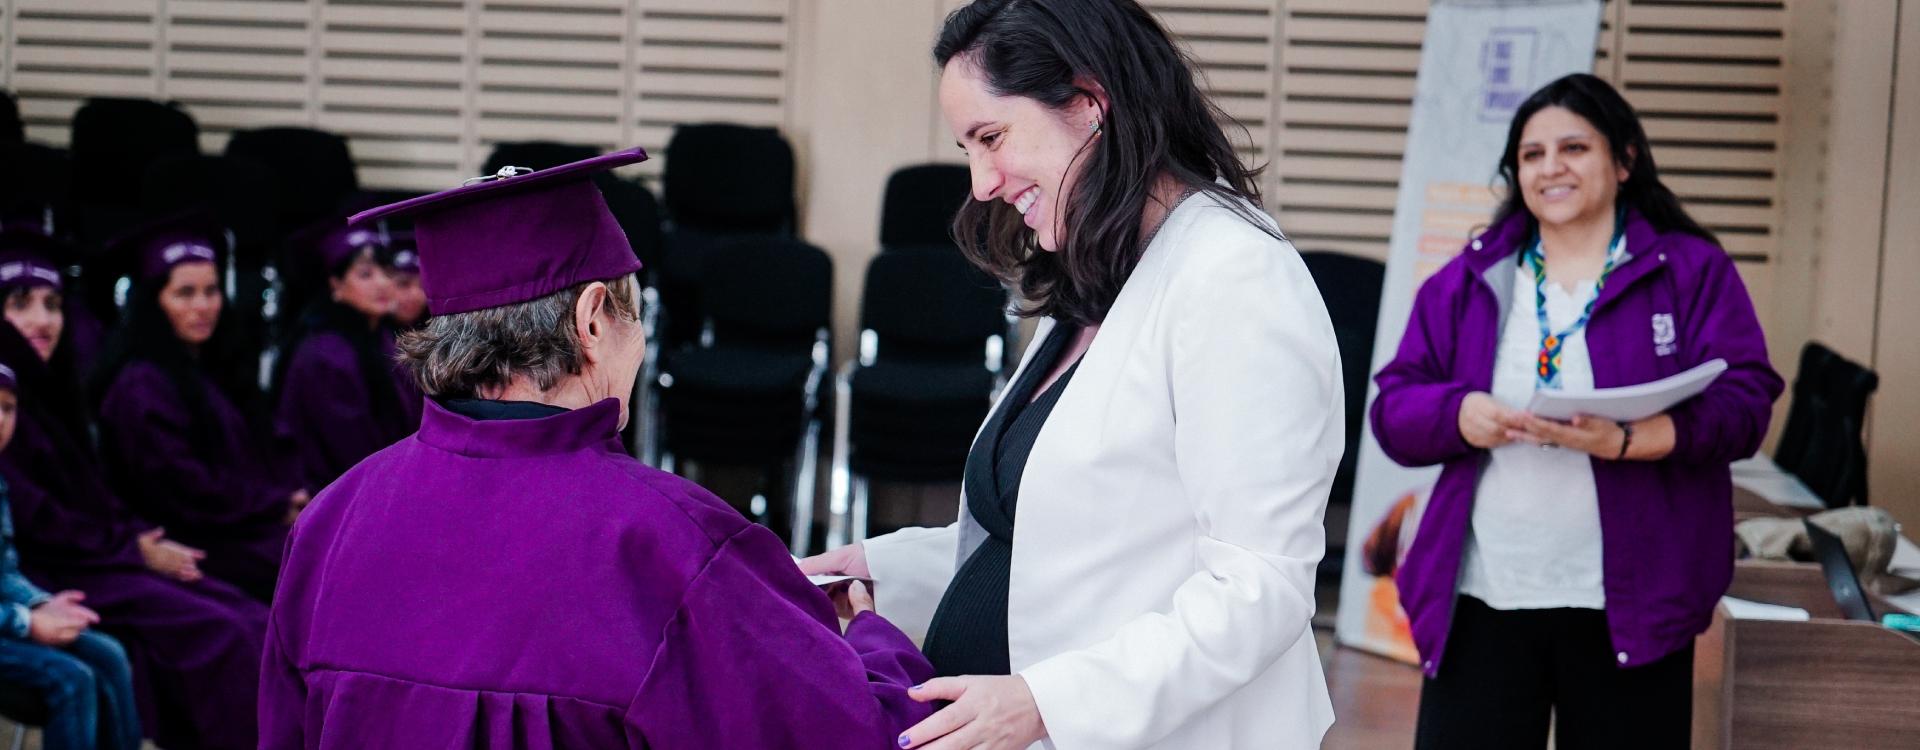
[1628, 403]
[1741, 609]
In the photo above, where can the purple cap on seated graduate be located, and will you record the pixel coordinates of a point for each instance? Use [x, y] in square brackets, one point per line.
[342, 242]
[160, 245]
[26, 260]
[515, 236]
[8, 381]
[406, 254]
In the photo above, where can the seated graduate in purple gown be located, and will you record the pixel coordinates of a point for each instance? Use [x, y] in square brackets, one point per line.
[194, 642]
[338, 402]
[173, 403]
[537, 587]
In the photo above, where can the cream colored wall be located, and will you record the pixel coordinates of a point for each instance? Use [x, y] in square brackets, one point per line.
[1895, 446]
[1850, 263]
[864, 106]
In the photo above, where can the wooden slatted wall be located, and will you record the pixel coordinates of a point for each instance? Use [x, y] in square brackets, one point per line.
[422, 88]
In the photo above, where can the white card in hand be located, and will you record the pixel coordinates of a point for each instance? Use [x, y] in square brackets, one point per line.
[1627, 403]
[829, 581]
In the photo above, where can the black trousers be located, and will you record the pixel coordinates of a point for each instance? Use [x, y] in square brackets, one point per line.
[1507, 674]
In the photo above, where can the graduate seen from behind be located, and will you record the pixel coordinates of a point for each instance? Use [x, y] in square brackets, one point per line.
[539, 587]
[174, 398]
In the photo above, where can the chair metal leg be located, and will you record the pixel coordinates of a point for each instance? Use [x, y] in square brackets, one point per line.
[838, 533]
[859, 508]
[806, 470]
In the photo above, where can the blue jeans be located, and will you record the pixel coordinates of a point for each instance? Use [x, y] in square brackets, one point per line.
[88, 688]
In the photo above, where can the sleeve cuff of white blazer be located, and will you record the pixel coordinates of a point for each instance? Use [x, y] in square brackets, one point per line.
[911, 568]
[1256, 393]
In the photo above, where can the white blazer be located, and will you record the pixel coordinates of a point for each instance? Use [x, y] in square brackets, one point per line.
[1170, 513]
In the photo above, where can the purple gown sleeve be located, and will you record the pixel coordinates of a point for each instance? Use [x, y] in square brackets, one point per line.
[56, 530]
[325, 412]
[283, 696]
[754, 658]
[147, 429]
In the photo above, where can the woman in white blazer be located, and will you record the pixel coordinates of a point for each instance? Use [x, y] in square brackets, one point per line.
[1165, 448]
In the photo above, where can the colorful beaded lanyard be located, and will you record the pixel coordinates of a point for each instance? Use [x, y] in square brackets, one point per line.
[1548, 365]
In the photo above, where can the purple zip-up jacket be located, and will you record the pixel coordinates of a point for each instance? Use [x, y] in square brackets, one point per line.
[1667, 525]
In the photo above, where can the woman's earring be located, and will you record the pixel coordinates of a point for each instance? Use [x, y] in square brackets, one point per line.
[1093, 126]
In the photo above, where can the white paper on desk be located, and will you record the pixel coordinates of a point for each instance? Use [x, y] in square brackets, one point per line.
[825, 581]
[1627, 403]
[1741, 609]
[1761, 476]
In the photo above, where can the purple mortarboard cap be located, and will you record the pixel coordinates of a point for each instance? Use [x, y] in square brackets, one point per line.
[341, 242]
[26, 260]
[160, 245]
[8, 381]
[515, 236]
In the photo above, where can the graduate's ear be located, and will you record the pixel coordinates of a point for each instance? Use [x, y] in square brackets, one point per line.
[588, 326]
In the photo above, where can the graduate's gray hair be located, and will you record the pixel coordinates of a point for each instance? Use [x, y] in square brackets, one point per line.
[462, 354]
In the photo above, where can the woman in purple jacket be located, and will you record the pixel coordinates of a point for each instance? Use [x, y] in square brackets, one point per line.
[174, 401]
[1562, 570]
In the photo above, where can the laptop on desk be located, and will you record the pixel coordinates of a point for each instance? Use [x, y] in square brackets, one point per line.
[1841, 577]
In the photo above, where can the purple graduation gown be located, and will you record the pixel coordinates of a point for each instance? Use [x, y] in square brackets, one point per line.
[235, 508]
[326, 413]
[194, 647]
[525, 584]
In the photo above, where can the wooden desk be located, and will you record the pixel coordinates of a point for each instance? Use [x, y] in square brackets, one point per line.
[1824, 683]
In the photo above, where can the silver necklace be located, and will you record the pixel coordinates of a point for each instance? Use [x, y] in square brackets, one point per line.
[1188, 193]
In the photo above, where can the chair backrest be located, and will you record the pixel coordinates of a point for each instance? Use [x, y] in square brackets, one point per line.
[1822, 442]
[929, 302]
[1350, 285]
[241, 195]
[12, 128]
[312, 169]
[729, 179]
[536, 155]
[114, 140]
[920, 204]
[774, 292]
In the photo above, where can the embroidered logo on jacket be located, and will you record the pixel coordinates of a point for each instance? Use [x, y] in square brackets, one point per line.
[1663, 335]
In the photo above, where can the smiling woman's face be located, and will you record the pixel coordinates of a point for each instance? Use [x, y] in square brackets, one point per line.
[1019, 150]
[1567, 172]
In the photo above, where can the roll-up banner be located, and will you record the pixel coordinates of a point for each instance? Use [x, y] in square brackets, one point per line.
[1481, 59]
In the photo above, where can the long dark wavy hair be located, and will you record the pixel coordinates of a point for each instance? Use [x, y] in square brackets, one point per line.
[324, 315]
[1601, 106]
[148, 336]
[1158, 122]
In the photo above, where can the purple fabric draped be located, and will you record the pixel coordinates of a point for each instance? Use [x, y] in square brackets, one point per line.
[524, 584]
[233, 503]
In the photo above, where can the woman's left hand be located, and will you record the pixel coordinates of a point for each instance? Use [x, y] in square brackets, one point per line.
[1592, 435]
[997, 713]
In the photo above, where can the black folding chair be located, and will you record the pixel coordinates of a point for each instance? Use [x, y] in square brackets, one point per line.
[1822, 442]
[312, 171]
[920, 204]
[748, 393]
[934, 332]
[1351, 286]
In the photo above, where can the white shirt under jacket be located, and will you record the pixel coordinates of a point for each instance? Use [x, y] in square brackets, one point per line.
[1170, 513]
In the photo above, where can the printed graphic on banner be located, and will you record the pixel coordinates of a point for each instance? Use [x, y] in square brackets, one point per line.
[1480, 61]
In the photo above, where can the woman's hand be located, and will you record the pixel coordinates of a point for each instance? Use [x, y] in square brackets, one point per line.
[1602, 438]
[1485, 423]
[170, 558]
[850, 560]
[996, 713]
[60, 620]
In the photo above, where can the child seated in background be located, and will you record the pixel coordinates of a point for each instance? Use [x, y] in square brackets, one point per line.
[47, 646]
